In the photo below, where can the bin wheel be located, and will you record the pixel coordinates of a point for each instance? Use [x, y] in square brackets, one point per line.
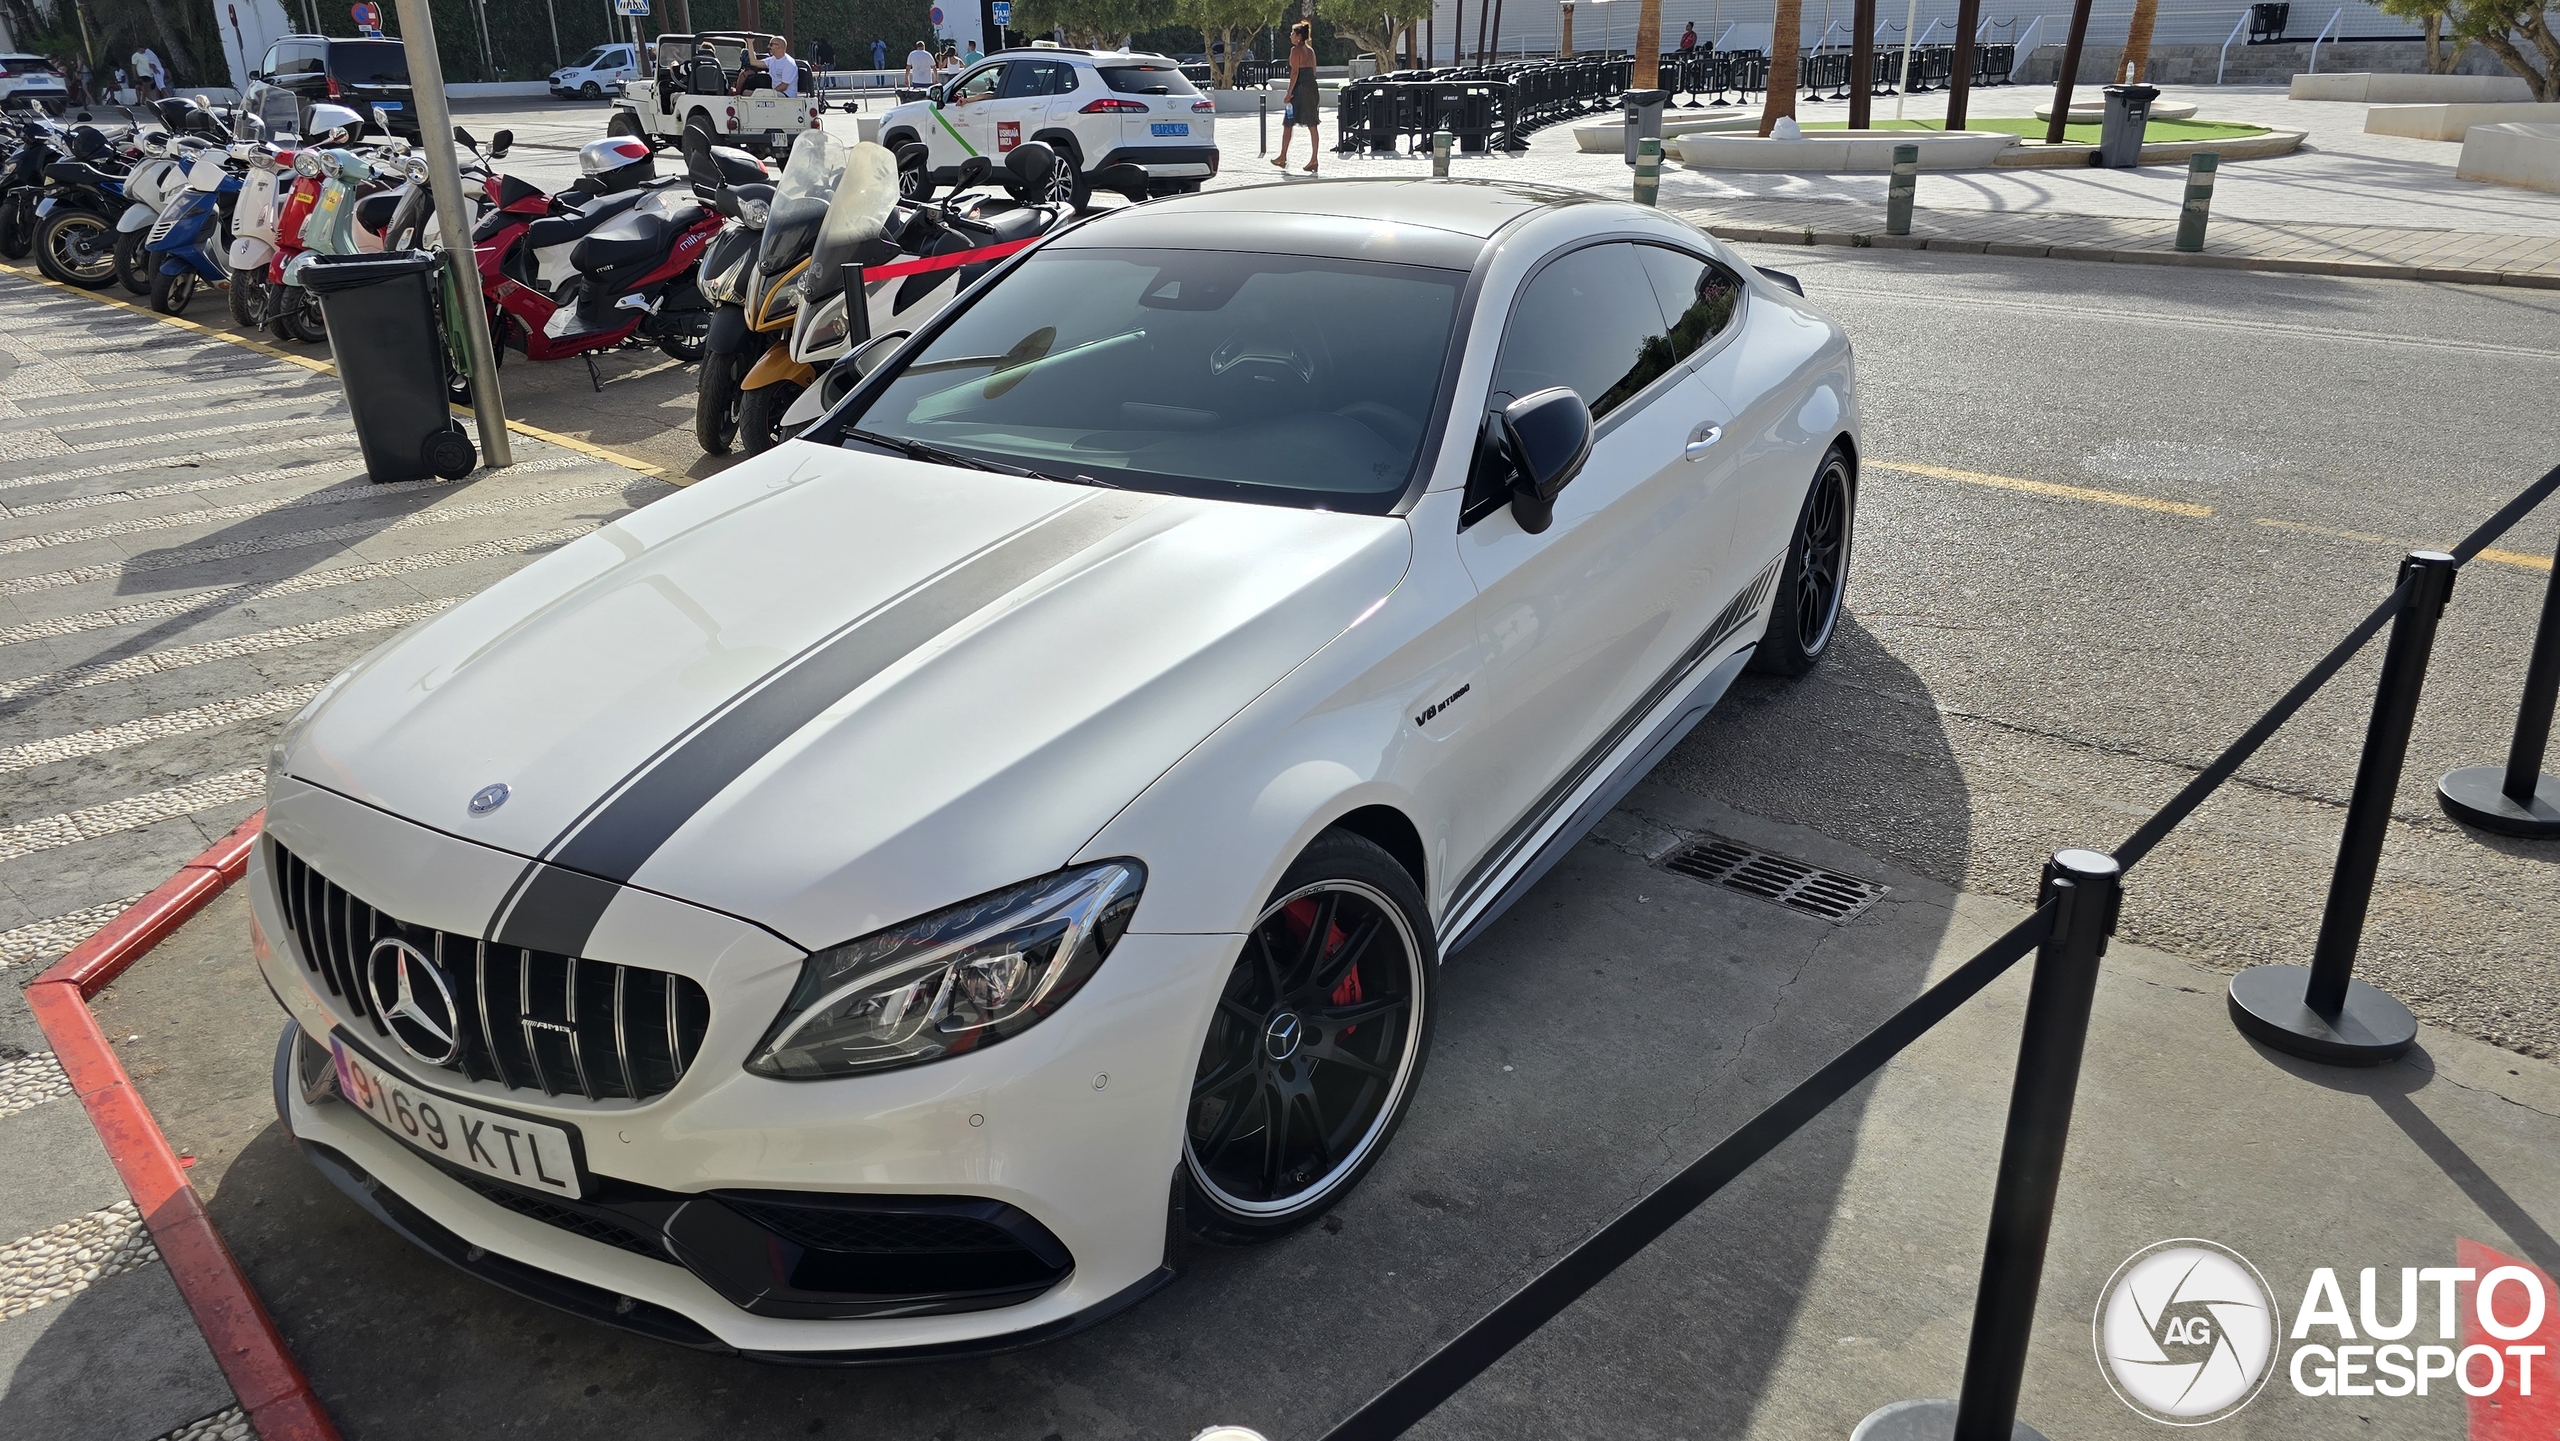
[170, 293]
[449, 454]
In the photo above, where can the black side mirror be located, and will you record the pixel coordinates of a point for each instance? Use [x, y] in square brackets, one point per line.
[1546, 438]
[463, 137]
[973, 171]
[500, 143]
[934, 94]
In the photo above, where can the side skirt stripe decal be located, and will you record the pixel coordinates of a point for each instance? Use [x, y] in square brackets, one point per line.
[555, 904]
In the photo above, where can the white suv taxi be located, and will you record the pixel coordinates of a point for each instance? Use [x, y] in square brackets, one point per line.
[1117, 120]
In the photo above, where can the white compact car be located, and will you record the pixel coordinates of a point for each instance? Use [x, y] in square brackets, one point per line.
[873, 904]
[28, 82]
[1119, 121]
[596, 74]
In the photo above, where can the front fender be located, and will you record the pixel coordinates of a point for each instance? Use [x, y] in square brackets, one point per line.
[728, 330]
[136, 217]
[250, 253]
[778, 366]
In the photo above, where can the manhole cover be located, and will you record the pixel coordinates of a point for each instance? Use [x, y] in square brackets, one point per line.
[1791, 883]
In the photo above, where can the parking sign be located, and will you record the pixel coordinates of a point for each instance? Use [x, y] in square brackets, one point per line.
[1003, 12]
[630, 7]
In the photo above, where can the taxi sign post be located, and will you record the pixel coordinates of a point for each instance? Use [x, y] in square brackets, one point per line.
[444, 179]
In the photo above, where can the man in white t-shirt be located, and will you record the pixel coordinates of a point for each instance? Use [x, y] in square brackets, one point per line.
[920, 66]
[779, 66]
[146, 74]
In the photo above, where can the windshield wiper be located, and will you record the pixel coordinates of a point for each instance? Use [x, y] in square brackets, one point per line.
[921, 450]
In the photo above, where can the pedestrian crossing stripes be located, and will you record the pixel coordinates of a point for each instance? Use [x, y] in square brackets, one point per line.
[132, 813]
[326, 400]
[127, 467]
[230, 648]
[358, 530]
[10, 409]
[207, 603]
[141, 729]
[339, 494]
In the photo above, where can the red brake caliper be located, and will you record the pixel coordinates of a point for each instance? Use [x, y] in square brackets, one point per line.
[1348, 993]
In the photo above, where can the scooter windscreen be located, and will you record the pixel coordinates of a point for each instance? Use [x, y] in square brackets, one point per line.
[800, 201]
[861, 223]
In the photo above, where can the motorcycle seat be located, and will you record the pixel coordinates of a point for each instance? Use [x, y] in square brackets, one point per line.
[561, 229]
[1008, 225]
[620, 241]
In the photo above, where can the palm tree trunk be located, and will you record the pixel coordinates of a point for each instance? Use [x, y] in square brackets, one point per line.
[1786, 39]
[2137, 41]
[1648, 45]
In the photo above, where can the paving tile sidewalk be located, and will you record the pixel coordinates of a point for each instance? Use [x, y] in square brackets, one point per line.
[2371, 251]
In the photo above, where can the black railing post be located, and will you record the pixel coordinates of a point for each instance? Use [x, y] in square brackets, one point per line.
[2085, 889]
[2518, 799]
[2324, 1013]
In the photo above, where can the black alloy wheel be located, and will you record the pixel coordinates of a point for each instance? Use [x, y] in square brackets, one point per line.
[591, 91]
[1805, 613]
[77, 247]
[1311, 1057]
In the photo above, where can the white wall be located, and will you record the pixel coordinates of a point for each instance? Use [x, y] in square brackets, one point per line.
[248, 28]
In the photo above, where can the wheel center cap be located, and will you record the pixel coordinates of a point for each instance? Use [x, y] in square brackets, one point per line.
[1280, 1040]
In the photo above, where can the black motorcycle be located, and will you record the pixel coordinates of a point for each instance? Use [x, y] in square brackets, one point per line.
[75, 240]
[31, 143]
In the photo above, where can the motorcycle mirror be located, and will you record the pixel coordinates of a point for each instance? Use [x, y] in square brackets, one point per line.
[500, 143]
[463, 137]
[973, 171]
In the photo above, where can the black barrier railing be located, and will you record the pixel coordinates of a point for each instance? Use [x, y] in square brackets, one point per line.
[2075, 914]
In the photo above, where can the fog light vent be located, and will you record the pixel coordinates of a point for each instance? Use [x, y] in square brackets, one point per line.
[1791, 883]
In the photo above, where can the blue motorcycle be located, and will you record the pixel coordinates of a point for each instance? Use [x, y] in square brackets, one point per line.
[189, 238]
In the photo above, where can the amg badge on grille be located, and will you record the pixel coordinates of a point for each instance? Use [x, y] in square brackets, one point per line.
[414, 1000]
[488, 798]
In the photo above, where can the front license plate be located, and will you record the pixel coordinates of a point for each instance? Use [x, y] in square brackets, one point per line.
[1171, 127]
[510, 1148]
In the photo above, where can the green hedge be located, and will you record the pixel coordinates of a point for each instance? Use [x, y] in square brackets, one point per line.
[520, 31]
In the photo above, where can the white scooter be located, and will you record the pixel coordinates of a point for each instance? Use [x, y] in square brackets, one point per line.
[161, 174]
[253, 229]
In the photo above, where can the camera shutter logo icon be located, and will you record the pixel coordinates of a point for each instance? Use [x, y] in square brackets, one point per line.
[2186, 1332]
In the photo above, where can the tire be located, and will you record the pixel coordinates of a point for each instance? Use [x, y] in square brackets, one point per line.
[249, 298]
[1243, 1189]
[1804, 615]
[915, 182]
[685, 349]
[294, 314]
[715, 402]
[171, 293]
[77, 247]
[760, 413]
[130, 270]
[591, 91]
[626, 122]
[1067, 184]
[17, 233]
[449, 454]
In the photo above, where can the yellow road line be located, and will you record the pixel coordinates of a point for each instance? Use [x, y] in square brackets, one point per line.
[549, 437]
[2521, 560]
[2052, 488]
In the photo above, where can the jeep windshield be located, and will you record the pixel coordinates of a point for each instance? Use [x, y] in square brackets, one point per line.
[1280, 379]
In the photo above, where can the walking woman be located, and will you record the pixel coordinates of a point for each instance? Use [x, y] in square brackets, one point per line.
[1302, 94]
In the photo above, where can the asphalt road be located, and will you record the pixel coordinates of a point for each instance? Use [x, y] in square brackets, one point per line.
[2021, 670]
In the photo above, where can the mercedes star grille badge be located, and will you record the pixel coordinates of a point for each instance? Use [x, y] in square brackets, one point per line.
[488, 798]
[414, 1000]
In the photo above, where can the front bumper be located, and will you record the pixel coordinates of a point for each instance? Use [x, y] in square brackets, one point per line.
[1073, 1125]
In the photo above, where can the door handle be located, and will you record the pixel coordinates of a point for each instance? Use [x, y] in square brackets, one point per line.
[1700, 441]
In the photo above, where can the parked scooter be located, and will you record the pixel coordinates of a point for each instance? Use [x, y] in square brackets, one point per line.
[758, 329]
[728, 264]
[33, 143]
[291, 312]
[187, 240]
[75, 228]
[155, 179]
[254, 218]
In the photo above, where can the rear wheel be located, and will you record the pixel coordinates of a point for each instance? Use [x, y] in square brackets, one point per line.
[1066, 184]
[171, 293]
[292, 314]
[1311, 1058]
[760, 413]
[914, 181]
[591, 91]
[17, 224]
[1804, 615]
[77, 247]
[131, 270]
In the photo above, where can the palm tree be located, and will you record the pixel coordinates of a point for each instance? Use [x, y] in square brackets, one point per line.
[2137, 42]
[1786, 38]
[1648, 45]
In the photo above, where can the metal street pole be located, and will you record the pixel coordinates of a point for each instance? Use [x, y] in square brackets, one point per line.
[453, 219]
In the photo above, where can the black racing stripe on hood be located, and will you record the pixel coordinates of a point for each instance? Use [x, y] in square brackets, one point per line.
[555, 904]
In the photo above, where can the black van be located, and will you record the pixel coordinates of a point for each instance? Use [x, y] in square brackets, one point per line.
[301, 71]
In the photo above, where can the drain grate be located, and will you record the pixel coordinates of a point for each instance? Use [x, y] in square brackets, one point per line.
[1790, 883]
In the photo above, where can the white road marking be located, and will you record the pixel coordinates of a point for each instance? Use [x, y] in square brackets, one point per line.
[208, 603]
[156, 662]
[132, 813]
[194, 392]
[324, 399]
[155, 727]
[127, 467]
[361, 530]
[341, 493]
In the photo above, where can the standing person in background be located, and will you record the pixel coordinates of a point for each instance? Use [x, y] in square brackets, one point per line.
[950, 65]
[142, 85]
[159, 73]
[822, 54]
[879, 54]
[920, 66]
[972, 55]
[1689, 36]
[1302, 94]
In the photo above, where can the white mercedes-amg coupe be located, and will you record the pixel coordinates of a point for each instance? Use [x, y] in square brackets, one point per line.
[876, 903]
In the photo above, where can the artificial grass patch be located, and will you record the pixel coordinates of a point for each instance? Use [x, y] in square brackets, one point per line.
[2157, 132]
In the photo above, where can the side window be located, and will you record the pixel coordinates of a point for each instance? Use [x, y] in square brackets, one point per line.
[305, 60]
[1062, 78]
[1697, 295]
[1589, 321]
[978, 84]
[274, 61]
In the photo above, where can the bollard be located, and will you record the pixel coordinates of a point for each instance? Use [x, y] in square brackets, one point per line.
[2518, 800]
[1648, 171]
[1906, 183]
[2085, 889]
[1441, 144]
[2324, 1013]
[1262, 107]
[2199, 203]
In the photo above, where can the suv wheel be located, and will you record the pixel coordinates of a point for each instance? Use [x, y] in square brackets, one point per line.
[1067, 184]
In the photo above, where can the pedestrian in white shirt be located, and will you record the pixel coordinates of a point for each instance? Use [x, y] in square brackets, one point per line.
[779, 66]
[920, 66]
[146, 74]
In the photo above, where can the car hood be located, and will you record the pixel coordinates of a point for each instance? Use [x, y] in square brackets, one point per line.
[826, 692]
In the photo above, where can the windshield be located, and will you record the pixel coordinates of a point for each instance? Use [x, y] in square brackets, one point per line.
[800, 201]
[588, 61]
[857, 216]
[1156, 78]
[369, 62]
[1282, 379]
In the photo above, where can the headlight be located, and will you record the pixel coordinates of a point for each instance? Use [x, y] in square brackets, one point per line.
[307, 164]
[754, 212]
[826, 326]
[954, 981]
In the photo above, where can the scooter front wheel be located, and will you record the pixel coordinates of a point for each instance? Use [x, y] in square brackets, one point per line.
[249, 297]
[171, 293]
[760, 413]
[133, 270]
